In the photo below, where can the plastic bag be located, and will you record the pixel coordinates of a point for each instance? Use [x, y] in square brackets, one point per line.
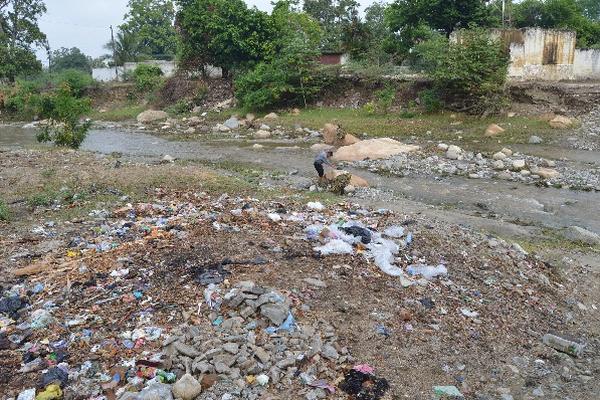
[383, 253]
[427, 271]
[335, 246]
[394, 231]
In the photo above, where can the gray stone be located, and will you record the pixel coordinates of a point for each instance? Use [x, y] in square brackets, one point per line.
[262, 134]
[499, 156]
[186, 350]
[232, 123]
[262, 355]
[156, 391]
[315, 282]
[221, 368]
[581, 235]
[498, 164]
[151, 116]
[187, 388]
[330, 352]
[518, 165]
[453, 152]
[202, 367]
[535, 140]
[276, 313]
[232, 348]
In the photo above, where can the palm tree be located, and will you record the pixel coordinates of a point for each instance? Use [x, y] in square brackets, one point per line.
[126, 48]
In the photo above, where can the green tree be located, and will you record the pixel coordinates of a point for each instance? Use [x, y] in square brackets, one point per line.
[224, 33]
[468, 74]
[151, 22]
[63, 59]
[591, 8]
[19, 35]
[335, 17]
[289, 22]
[413, 20]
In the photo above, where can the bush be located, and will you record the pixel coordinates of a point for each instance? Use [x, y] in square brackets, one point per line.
[384, 99]
[4, 211]
[293, 78]
[64, 111]
[430, 100]
[468, 75]
[147, 77]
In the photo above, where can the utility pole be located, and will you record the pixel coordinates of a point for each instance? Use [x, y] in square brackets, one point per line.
[112, 39]
[503, 12]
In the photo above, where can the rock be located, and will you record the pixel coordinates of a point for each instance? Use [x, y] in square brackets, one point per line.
[151, 116]
[453, 152]
[250, 117]
[549, 163]
[196, 110]
[507, 151]
[257, 146]
[330, 352]
[498, 165]
[224, 104]
[271, 116]
[295, 111]
[355, 180]
[518, 165]
[167, 159]
[315, 282]
[581, 235]
[443, 147]
[348, 140]
[373, 149]
[525, 172]
[330, 133]
[232, 123]
[561, 122]
[28, 394]
[493, 130]
[319, 147]
[265, 127]
[535, 140]
[190, 131]
[194, 121]
[499, 156]
[186, 350]
[187, 388]
[232, 348]
[349, 189]
[221, 128]
[262, 134]
[276, 313]
[511, 114]
[546, 173]
[262, 355]
[156, 391]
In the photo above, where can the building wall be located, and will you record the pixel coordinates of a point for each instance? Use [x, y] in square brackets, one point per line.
[169, 68]
[549, 55]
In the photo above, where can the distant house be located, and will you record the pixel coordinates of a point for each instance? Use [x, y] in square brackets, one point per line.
[333, 58]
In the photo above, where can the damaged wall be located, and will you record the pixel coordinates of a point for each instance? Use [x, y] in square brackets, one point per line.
[549, 55]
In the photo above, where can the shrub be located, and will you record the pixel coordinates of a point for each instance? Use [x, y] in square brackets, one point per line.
[430, 100]
[469, 75]
[293, 78]
[77, 80]
[384, 99]
[147, 77]
[4, 211]
[64, 112]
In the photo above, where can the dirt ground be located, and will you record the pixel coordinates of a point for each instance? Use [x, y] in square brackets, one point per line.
[478, 328]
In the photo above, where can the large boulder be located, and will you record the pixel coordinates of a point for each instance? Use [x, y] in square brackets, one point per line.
[151, 116]
[561, 122]
[330, 133]
[348, 140]
[581, 235]
[271, 116]
[373, 149]
[232, 123]
[493, 130]
[319, 147]
[546, 173]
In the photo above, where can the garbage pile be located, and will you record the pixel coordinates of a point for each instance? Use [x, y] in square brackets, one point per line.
[193, 296]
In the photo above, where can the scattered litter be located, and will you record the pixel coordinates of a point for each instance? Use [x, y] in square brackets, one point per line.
[563, 345]
[447, 392]
[274, 217]
[52, 392]
[394, 232]
[468, 313]
[361, 386]
[427, 271]
[382, 330]
[315, 205]
[336, 246]
[288, 325]
[363, 233]
[262, 380]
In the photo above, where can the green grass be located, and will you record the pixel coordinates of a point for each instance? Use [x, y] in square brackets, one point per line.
[4, 211]
[123, 113]
[444, 126]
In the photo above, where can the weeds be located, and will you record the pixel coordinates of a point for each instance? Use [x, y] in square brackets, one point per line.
[4, 211]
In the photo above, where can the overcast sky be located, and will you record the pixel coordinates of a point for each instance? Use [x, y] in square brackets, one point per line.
[85, 23]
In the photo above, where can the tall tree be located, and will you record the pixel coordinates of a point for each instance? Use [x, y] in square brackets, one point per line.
[152, 23]
[336, 17]
[19, 35]
[73, 58]
[224, 33]
[126, 48]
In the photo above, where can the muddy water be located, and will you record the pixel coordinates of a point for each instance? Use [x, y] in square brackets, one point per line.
[499, 207]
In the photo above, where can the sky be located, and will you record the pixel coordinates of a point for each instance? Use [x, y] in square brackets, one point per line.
[85, 24]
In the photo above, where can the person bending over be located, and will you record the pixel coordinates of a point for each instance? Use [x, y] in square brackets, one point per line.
[322, 159]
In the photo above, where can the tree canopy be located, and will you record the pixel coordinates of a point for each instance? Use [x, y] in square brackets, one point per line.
[63, 59]
[151, 23]
[19, 35]
[335, 17]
